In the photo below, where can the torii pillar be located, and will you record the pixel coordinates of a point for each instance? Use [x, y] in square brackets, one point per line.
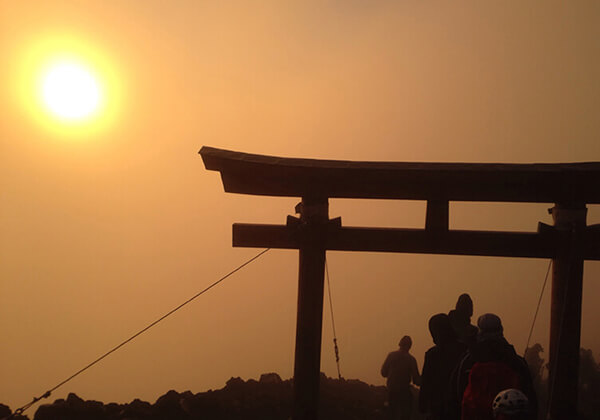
[309, 322]
[568, 243]
[565, 311]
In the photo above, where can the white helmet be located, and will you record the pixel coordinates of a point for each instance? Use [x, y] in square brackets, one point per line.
[510, 401]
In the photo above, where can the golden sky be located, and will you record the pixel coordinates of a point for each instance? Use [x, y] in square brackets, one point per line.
[105, 228]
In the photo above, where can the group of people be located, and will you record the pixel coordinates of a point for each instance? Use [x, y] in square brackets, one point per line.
[471, 373]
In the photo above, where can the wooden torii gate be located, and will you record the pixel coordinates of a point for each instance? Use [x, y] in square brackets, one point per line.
[568, 243]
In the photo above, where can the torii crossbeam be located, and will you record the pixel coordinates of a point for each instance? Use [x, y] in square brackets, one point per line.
[569, 242]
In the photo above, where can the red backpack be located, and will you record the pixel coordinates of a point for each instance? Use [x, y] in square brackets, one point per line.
[486, 380]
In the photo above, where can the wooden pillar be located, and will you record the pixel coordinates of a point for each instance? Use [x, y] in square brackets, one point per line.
[565, 319]
[437, 216]
[307, 364]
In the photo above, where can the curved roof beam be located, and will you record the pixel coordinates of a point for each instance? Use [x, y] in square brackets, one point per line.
[246, 173]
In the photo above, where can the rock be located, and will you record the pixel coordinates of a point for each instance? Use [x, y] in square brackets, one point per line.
[136, 410]
[5, 411]
[168, 407]
[73, 400]
[234, 384]
[73, 408]
[269, 398]
[270, 378]
[203, 406]
[112, 410]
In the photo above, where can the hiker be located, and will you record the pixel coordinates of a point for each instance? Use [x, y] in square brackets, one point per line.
[440, 362]
[511, 404]
[489, 366]
[460, 318]
[400, 368]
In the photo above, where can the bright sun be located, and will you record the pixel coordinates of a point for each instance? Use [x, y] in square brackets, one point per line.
[69, 86]
[70, 91]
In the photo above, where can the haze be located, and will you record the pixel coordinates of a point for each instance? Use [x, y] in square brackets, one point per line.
[103, 232]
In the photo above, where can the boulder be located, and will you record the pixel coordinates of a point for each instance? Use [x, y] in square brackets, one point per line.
[270, 378]
[168, 407]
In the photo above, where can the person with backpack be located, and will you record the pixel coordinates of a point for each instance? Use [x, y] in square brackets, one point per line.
[491, 365]
[440, 361]
[400, 369]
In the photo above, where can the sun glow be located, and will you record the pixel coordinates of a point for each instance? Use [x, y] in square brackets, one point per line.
[70, 91]
[69, 86]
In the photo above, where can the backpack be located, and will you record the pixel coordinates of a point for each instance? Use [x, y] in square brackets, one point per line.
[486, 380]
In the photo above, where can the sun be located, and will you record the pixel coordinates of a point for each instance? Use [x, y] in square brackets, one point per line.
[70, 86]
[70, 91]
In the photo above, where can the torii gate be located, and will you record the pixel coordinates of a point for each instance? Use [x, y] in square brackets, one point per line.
[569, 242]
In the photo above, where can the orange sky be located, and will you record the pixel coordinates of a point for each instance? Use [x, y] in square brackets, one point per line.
[102, 232]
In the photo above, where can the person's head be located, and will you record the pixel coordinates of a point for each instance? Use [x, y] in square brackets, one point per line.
[441, 329]
[490, 327]
[405, 343]
[510, 404]
[464, 305]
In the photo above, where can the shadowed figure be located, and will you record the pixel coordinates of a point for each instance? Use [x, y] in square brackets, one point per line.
[400, 369]
[440, 362]
[460, 318]
[491, 365]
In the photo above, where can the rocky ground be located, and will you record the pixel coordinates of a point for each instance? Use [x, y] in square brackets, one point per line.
[269, 398]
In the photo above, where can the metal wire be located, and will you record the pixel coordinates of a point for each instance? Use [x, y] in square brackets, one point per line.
[117, 347]
[538, 307]
[335, 345]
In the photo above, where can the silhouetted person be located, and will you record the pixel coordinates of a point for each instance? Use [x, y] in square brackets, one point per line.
[440, 362]
[491, 365]
[535, 362]
[400, 369]
[460, 318]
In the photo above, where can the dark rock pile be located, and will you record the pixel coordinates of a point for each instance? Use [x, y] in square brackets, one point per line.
[269, 398]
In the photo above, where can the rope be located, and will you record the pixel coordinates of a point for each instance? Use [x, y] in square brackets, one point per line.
[335, 345]
[80, 371]
[538, 307]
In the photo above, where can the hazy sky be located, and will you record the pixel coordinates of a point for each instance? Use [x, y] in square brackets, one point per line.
[103, 231]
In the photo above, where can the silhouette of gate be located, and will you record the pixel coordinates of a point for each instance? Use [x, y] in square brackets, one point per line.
[569, 242]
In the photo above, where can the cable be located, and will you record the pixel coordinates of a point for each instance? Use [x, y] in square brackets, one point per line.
[80, 371]
[335, 345]
[538, 307]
